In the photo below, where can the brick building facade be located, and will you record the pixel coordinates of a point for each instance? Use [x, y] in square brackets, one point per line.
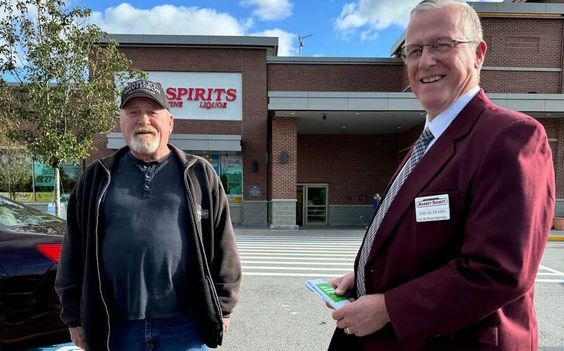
[319, 136]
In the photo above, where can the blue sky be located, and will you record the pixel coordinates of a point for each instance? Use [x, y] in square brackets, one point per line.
[338, 28]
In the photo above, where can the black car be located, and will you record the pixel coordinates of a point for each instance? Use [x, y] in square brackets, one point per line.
[30, 245]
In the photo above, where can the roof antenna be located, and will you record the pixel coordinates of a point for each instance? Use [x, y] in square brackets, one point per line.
[301, 42]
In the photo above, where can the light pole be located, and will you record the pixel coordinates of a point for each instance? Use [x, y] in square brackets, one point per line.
[301, 43]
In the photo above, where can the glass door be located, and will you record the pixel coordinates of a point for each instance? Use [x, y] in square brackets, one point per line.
[300, 206]
[315, 204]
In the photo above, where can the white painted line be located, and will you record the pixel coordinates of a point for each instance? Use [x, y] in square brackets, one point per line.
[309, 247]
[550, 269]
[348, 264]
[301, 242]
[266, 251]
[304, 243]
[309, 258]
[290, 250]
[300, 239]
[555, 274]
[297, 268]
[358, 234]
[334, 275]
[297, 254]
[549, 280]
[305, 247]
[277, 274]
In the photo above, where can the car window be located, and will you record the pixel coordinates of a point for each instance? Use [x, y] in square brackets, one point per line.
[19, 217]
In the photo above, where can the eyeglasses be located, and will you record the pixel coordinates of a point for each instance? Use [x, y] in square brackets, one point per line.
[438, 48]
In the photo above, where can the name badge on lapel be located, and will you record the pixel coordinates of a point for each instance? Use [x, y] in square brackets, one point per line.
[432, 208]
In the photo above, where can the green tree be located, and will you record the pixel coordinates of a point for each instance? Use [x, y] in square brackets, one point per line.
[15, 169]
[15, 161]
[66, 79]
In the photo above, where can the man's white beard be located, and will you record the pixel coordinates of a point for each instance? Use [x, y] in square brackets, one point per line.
[146, 146]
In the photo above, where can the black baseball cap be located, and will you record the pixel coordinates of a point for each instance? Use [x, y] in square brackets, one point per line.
[146, 89]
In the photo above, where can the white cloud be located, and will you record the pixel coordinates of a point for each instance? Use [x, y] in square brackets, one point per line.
[168, 19]
[371, 16]
[287, 42]
[269, 9]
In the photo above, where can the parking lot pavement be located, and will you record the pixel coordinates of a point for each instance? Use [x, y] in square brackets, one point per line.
[276, 263]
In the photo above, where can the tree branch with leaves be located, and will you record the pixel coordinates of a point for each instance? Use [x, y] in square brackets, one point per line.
[66, 79]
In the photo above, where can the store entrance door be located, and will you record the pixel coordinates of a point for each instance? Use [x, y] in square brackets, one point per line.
[311, 207]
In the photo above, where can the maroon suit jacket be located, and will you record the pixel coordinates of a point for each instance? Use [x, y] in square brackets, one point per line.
[466, 283]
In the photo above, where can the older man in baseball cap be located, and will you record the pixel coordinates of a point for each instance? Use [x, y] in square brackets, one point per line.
[149, 258]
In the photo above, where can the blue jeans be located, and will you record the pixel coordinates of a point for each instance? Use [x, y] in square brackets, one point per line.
[156, 334]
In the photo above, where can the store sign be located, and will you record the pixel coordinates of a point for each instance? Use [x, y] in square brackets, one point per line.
[202, 95]
[255, 191]
[44, 175]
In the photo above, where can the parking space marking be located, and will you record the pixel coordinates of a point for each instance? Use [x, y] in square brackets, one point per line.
[555, 275]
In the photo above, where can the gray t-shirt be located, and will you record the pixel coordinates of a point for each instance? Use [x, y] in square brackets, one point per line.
[145, 251]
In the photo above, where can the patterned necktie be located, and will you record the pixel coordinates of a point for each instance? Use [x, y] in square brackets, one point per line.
[418, 152]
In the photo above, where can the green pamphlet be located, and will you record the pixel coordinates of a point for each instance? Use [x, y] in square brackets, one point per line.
[323, 289]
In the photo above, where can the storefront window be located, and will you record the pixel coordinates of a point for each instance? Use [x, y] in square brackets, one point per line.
[45, 180]
[32, 181]
[229, 167]
[232, 177]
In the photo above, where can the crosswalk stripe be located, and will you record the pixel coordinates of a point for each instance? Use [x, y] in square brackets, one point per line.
[299, 254]
[290, 250]
[322, 257]
[309, 257]
[296, 263]
[299, 237]
[303, 275]
[297, 268]
[549, 280]
[296, 256]
[309, 247]
[299, 240]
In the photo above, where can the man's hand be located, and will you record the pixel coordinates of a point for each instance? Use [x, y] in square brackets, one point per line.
[364, 316]
[226, 322]
[343, 284]
[77, 337]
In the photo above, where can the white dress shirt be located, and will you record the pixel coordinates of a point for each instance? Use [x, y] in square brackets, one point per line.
[441, 121]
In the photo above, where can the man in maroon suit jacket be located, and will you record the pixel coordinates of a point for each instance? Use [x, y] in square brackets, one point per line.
[453, 260]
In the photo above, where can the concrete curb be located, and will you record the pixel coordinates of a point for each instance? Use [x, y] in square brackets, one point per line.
[556, 235]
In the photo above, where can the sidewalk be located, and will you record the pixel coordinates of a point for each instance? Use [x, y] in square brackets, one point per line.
[555, 235]
[308, 231]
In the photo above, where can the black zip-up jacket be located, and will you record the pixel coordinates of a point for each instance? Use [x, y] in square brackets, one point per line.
[214, 268]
